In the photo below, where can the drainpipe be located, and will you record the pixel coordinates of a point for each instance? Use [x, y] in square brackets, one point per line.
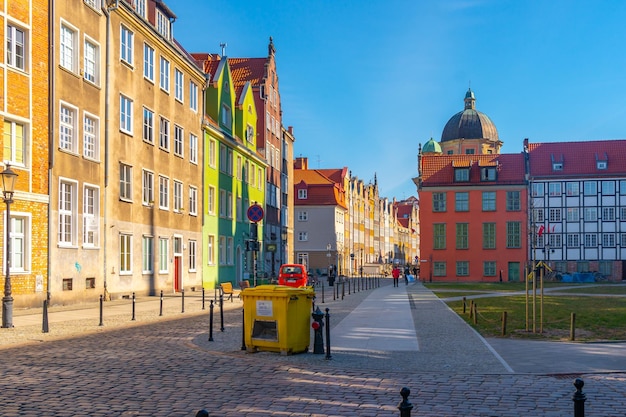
[107, 86]
[51, 124]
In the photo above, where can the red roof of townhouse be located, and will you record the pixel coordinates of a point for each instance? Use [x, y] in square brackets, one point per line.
[438, 170]
[322, 189]
[578, 158]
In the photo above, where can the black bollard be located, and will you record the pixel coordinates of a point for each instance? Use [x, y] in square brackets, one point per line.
[405, 405]
[101, 316]
[579, 398]
[202, 413]
[44, 325]
[211, 322]
[222, 312]
[133, 318]
[322, 292]
[349, 285]
[203, 298]
[243, 329]
[328, 356]
[161, 304]
[333, 293]
[318, 328]
[182, 298]
[343, 288]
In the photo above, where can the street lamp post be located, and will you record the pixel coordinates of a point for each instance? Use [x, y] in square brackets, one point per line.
[8, 188]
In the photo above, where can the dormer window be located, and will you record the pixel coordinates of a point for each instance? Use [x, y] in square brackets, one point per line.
[461, 174]
[302, 194]
[488, 174]
[601, 164]
[557, 166]
[163, 25]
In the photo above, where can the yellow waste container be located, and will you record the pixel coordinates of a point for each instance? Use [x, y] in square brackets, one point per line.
[277, 318]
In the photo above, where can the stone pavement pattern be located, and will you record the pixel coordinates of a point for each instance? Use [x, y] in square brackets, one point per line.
[167, 367]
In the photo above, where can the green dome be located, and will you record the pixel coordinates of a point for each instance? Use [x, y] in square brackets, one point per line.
[431, 147]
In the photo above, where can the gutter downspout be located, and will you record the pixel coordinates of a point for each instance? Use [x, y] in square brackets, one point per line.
[51, 124]
[107, 86]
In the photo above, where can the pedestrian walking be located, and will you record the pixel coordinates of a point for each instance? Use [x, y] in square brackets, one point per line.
[395, 273]
[407, 271]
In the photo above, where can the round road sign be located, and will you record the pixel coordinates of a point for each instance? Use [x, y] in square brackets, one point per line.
[255, 213]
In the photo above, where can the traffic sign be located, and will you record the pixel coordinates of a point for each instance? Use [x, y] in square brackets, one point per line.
[255, 213]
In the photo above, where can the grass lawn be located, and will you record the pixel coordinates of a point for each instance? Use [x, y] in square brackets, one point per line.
[597, 317]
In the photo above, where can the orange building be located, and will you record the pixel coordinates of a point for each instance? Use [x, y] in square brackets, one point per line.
[25, 92]
[473, 203]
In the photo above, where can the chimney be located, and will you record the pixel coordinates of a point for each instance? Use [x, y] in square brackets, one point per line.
[301, 163]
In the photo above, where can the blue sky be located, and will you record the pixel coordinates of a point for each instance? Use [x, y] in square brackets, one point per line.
[364, 82]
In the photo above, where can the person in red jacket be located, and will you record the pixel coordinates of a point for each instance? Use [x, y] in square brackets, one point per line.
[395, 273]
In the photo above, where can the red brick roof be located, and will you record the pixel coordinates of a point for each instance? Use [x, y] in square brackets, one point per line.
[578, 158]
[322, 189]
[438, 170]
[247, 69]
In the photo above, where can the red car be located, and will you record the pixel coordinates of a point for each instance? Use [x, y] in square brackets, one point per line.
[293, 275]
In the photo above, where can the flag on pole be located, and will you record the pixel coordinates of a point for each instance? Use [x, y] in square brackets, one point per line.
[540, 230]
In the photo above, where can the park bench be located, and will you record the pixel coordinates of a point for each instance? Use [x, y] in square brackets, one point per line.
[226, 290]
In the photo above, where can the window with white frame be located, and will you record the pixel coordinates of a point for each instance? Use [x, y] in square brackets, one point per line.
[222, 203]
[259, 178]
[229, 250]
[210, 250]
[246, 172]
[572, 240]
[608, 187]
[164, 75]
[591, 240]
[302, 194]
[163, 24]
[223, 156]
[622, 215]
[20, 235]
[147, 187]
[573, 214]
[572, 189]
[91, 61]
[179, 80]
[91, 137]
[148, 62]
[126, 254]
[15, 143]
[68, 128]
[608, 214]
[193, 200]
[590, 188]
[164, 134]
[238, 166]
[16, 47]
[91, 216]
[178, 140]
[303, 259]
[193, 148]
[68, 48]
[229, 205]
[226, 116]
[303, 216]
[555, 214]
[303, 236]
[126, 45]
[212, 153]
[178, 196]
[140, 8]
[590, 214]
[192, 255]
[608, 240]
[148, 125]
[554, 239]
[193, 96]
[222, 250]
[537, 189]
[126, 114]
[68, 211]
[164, 192]
[239, 209]
[623, 240]
[126, 182]
[211, 198]
[554, 189]
[229, 162]
[164, 246]
[147, 256]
